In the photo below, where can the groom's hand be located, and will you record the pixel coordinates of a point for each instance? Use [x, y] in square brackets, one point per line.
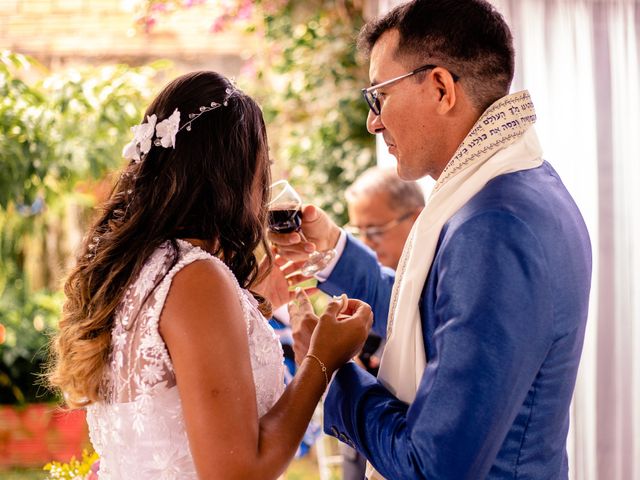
[319, 231]
[303, 323]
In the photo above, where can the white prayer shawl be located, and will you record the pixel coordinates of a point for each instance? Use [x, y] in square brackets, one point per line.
[502, 141]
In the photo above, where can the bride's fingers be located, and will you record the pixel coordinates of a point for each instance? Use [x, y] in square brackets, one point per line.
[309, 291]
[292, 267]
[363, 311]
[300, 307]
[333, 308]
[262, 266]
[291, 245]
[312, 290]
[296, 278]
[302, 299]
[280, 261]
[303, 323]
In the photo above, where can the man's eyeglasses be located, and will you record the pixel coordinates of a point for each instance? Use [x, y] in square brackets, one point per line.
[374, 232]
[370, 94]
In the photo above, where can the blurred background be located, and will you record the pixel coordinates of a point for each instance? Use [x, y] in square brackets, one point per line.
[75, 75]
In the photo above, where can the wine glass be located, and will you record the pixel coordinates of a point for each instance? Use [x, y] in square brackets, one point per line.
[285, 216]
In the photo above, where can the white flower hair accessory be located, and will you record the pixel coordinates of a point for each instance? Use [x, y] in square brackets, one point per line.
[165, 132]
[167, 129]
[141, 143]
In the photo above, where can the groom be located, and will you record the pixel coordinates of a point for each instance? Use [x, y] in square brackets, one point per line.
[486, 319]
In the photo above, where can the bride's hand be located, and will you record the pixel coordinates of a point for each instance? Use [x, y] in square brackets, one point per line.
[303, 322]
[341, 332]
[335, 337]
[276, 286]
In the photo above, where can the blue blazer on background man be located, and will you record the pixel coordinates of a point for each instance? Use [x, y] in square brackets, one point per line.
[503, 314]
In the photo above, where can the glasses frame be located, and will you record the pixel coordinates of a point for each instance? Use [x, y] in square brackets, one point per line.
[370, 94]
[374, 231]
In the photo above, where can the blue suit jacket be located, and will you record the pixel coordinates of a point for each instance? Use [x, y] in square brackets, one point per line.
[503, 315]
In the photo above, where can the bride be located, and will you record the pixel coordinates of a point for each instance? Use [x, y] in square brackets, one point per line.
[162, 339]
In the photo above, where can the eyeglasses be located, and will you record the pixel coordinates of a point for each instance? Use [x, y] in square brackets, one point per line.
[370, 94]
[374, 232]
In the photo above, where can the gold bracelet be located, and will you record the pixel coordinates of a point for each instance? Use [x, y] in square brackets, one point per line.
[322, 366]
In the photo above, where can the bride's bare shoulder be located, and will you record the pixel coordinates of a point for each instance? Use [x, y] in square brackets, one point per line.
[202, 291]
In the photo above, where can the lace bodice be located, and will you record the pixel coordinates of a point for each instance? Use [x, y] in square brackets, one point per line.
[138, 429]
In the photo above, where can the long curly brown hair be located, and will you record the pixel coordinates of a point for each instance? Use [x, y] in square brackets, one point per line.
[204, 188]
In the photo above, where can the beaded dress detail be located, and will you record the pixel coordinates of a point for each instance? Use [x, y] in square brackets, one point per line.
[138, 428]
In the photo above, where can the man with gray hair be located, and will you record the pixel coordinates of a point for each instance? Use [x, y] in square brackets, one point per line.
[382, 208]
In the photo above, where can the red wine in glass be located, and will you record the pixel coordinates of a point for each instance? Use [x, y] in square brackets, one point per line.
[285, 216]
[285, 220]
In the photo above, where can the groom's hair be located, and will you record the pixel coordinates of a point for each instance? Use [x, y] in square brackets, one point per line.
[467, 37]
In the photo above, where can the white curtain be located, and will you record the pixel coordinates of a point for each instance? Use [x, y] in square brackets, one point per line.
[580, 61]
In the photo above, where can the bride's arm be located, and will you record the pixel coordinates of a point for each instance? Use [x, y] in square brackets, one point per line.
[203, 326]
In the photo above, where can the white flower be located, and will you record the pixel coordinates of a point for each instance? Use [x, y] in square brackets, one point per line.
[130, 151]
[141, 143]
[165, 132]
[151, 373]
[148, 342]
[119, 359]
[119, 340]
[144, 133]
[168, 128]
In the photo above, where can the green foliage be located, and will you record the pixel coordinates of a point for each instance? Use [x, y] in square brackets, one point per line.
[308, 80]
[28, 323]
[63, 128]
[306, 75]
[55, 131]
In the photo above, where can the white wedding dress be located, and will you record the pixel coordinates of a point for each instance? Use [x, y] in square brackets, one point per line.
[138, 430]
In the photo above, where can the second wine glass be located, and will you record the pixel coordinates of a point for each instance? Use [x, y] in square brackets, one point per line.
[285, 216]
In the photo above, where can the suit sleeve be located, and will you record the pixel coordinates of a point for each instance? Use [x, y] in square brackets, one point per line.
[359, 275]
[492, 329]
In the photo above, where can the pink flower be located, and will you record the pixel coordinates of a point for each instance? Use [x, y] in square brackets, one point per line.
[218, 25]
[245, 11]
[95, 468]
